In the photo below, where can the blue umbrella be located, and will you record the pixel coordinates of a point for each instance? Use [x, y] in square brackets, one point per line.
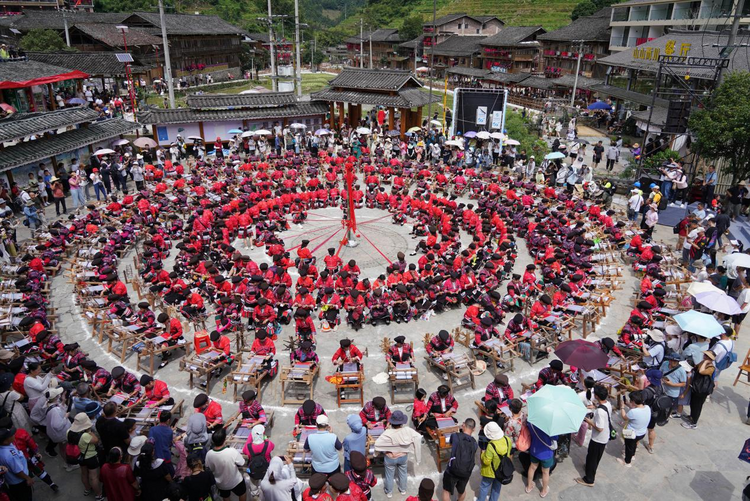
[599, 105]
[77, 100]
[554, 155]
[235, 131]
[699, 323]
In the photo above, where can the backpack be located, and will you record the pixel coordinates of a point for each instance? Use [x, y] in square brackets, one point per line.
[728, 359]
[462, 463]
[504, 471]
[258, 464]
[523, 442]
[660, 404]
[702, 384]
[612, 431]
[663, 202]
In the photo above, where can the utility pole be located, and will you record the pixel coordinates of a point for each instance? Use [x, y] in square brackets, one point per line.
[270, 40]
[167, 62]
[298, 71]
[578, 69]
[432, 56]
[65, 24]
[732, 36]
[370, 48]
[361, 43]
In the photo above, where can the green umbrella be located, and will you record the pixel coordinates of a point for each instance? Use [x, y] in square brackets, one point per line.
[556, 410]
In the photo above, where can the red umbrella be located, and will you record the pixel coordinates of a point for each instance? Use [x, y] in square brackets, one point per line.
[582, 354]
[7, 107]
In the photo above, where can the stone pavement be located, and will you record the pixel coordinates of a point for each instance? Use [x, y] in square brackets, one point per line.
[699, 464]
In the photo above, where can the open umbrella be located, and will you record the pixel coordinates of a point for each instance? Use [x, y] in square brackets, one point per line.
[414, 129]
[298, 126]
[120, 142]
[363, 130]
[497, 135]
[739, 259]
[599, 105]
[145, 142]
[719, 301]
[453, 143]
[76, 100]
[393, 132]
[483, 135]
[471, 134]
[234, 131]
[554, 155]
[322, 132]
[582, 354]
[262, 132]
[436, 123]
[7, 108]
[699, 287]
[195, 138]
[556, 410]
[103, 151]
[423, 69]
[512, 142]
[699, 323]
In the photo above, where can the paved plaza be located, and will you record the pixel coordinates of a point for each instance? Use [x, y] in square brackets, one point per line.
[697, 464]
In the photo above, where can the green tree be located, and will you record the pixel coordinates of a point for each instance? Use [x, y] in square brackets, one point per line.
[411, 28]
[522, 130]
[38, 40]
[722, 128]
[583, 9]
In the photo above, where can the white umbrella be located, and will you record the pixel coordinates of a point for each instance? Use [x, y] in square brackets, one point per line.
[423, 69]
[483, 135]
[436, 123]
[103, 151]
[699, 287]
[322, 132]
[145, 142]
[195, 138]
[120, 142]
[263, 132]
[739, 259]
[298, 126]
[512, 142]
[363, 130]
[497, 135]
[454, 143]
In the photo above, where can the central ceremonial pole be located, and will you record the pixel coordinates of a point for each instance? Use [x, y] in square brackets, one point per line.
[350, 219]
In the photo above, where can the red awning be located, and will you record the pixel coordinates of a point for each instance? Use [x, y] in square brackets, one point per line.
[8, 84]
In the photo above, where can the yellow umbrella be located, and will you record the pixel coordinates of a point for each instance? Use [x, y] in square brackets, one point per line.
[698, 287]
[414, 129]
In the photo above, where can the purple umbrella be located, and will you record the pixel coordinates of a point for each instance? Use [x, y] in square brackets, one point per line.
[471, 134]
[582, 354]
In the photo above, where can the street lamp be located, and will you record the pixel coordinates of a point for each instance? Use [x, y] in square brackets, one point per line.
[127, 59]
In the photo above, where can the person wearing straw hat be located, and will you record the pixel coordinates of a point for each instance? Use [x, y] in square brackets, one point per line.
[89, 458]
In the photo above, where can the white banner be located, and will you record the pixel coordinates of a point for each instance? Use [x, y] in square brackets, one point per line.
[497, 119]
[481, 115]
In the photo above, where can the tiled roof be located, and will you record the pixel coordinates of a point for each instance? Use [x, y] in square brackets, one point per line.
[594, 28]
[469, 72]
[459, 45]
[362, 79]
[261, 100]
[187, 115]
[108, 34]
[188, 24]
[42, 149]
[259, 37]
[511, 36]
[507, 78]
[627, 95]
[448, 18]
[382, 35]
[53, 20]
[20, 125]
[583, 82]
[407, 98]
[536, 82]
[21, 71]
[658, 117]
[412, 44]
[94, 63]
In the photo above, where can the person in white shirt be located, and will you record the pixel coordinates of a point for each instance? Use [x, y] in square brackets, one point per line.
[600, 434]
[744, 301]
[224, 462]
[689, 239]
[36, 384]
